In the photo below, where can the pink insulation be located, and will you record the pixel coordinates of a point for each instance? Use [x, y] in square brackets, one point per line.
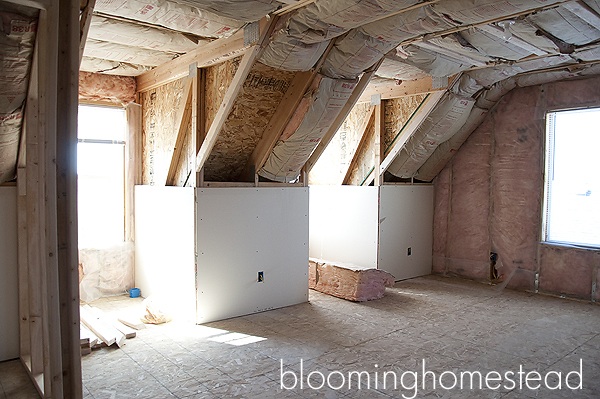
[106, 88]
[489, 198]
[353, 284]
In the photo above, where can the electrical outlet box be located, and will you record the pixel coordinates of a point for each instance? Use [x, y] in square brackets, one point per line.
[261, 277]
[409, 251]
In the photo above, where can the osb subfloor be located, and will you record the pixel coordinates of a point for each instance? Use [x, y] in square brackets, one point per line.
[14, 382]
[451, 324]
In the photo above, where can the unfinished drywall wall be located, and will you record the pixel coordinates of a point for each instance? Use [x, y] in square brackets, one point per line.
[159, 130]
[405, 230]
[244, 231]
[164, 248]
[489, 197]
[9, 295]
[335, 160]
[343, 224]
[96, 87]
[252, 110]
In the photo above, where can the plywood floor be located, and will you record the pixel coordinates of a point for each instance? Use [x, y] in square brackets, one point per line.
[451, 324]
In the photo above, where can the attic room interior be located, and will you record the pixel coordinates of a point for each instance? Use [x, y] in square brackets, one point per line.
[300, 198]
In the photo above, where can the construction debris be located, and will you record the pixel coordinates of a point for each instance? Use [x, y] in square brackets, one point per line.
[98, 330]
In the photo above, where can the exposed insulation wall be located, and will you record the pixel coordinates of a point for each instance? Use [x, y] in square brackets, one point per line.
[397, 112]
[253, 108]
[159, 130]
[333, 163]
[488, 198]
[366, 158]
[96, 87]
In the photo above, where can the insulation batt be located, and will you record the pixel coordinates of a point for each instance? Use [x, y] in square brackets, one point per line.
[17, 37]
[394, 67]
[243, 10]
[562, 23]
[408, 25]
[469, 11]
[493, 46]
[130, 34]
[290, 154]
[433, 63]
[354, 53]
[100, 87]
[91, 64]
[170, 14]
[123, 53]
[347, 282]
[443, 122]
[353, 13]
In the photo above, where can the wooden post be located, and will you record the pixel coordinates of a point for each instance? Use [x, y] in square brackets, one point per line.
[379, 130]
[134, 120]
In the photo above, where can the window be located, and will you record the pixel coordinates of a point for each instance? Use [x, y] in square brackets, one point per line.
[101, 176]
[572, 189]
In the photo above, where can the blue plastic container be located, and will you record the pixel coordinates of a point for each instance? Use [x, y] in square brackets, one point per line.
[134, 293]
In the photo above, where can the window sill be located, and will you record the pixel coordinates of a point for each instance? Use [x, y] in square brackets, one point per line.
[569, 246]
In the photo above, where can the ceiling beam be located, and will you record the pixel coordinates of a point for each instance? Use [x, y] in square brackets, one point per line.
[397, 89]
[233, 90]
[85, 20]
[215, 52]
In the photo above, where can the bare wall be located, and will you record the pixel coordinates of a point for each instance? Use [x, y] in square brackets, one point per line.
[489, 198]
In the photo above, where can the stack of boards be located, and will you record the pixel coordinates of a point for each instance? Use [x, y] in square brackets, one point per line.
[98, 330]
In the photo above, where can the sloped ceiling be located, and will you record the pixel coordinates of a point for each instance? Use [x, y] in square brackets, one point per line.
[470, 48]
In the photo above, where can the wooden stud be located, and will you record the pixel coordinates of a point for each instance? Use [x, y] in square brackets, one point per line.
[184, 115]
[232, 92]
[133, 113]
[23, 268]
[379, 131]
[358, 90]
[362, 144]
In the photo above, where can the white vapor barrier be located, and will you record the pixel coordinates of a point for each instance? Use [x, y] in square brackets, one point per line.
[565, 24]
[469, 11]
[105, 271]
[90, 64]
[408, 25]
[242, 232]
[441, 124]
[130, 34]
[353, 54]
[494, 46]
[445, 151]
[591, 53]
[466, 86]
[453, 44]
[308, 29]
[405, 230]
[343, 224]
[434, 63]
[164, 248]
[352, 13]
[394, 67]
[123, 53]
[9, 283]
[243, 10]
[594, 5]
[290, 54]
[291, 153]
[171, 14]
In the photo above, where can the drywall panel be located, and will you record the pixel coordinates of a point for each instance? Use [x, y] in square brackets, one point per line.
[164, 247]
[244, 231]
[406, 221]
[9, 295]
[343, 224]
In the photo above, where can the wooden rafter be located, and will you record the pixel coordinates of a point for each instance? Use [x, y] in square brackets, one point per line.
[362, 144]
[215, 52]
[358, 90]
[84, 25]
[410, 127]
[184, 115]
[233, 90]
[284, 112]
[379, 131]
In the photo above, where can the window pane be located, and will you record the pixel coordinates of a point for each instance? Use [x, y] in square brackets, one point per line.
[573, 198]
[101, 123]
